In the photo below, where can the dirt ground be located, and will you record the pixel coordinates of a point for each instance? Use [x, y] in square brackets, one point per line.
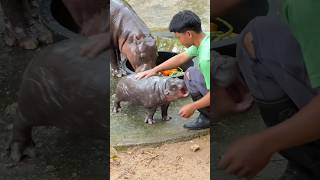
[167, 161]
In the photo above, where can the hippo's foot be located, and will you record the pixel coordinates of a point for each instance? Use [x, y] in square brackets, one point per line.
[19, 37]
[166, 118]
[116, 110]
[149, 120]
[116, 106]
[41, 32]
[27, 37]
[118, 72]
[18, 150]
[21, 143]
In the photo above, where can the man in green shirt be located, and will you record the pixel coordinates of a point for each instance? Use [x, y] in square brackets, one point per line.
[187, 28]
[300, 16]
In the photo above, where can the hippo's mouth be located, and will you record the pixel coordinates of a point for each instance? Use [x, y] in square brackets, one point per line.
[184, 92]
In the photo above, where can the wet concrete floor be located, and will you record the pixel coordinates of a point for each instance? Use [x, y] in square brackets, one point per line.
[233, 127]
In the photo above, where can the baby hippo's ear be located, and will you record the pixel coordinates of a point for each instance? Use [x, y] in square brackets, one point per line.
[131, 39]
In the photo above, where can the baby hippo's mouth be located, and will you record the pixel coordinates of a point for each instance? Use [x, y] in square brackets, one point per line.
[184, 92]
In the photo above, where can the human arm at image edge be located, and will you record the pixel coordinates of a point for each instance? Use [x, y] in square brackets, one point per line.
[301, 128]
[171, 63]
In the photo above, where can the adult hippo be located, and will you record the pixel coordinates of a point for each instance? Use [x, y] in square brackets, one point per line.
[131, 38]
[63, 89]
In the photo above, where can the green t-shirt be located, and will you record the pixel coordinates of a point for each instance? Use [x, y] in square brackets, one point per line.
[203, 57]
[302, 17]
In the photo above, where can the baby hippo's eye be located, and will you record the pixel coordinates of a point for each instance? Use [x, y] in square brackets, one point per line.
[173, 87]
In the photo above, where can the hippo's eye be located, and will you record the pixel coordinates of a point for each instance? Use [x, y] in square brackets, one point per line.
[173, 87]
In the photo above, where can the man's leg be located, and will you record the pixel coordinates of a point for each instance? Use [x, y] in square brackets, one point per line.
[196, 86]
[276, 77]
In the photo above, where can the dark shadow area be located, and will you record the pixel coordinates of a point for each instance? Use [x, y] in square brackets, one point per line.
[62, 15]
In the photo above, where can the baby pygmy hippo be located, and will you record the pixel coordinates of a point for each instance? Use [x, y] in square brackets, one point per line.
[150, 92]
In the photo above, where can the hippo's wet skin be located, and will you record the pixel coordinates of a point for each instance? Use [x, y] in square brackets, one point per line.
[131, 37]
[63, 89]
[151, 93]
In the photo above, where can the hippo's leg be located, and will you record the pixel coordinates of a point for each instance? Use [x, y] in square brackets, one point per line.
[122, 60]
[115, 67]
[116, 105]
[21, 27]
[149, 118]
[164, 112]
[21, 143]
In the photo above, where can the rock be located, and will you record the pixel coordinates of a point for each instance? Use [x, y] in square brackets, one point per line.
[10, 165]
[10, 111]
[74, 174]
[3, 155]
[50, 168]
[9, 127]
[2, 122]
[195, 147]
[113, 153]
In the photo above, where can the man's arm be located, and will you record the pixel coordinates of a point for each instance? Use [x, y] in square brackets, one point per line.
[187, 110]
[303, 127]
[247, 156]
[173, 62]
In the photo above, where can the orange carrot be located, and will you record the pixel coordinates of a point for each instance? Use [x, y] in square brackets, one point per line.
[168, 72]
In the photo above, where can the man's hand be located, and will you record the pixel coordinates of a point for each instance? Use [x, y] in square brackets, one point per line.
[246, 157]
[146, 74]
[187, 110]
[96, 45]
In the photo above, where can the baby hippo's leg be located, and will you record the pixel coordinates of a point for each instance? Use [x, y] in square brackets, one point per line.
[21, 143]
[116, 105]
[164, 112]
[149, 118]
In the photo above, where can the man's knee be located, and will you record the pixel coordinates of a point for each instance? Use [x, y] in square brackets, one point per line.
[195, 81]
[248, 45]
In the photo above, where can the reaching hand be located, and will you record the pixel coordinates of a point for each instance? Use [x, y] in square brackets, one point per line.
[146, 74]
[246, 157]
[187, 110]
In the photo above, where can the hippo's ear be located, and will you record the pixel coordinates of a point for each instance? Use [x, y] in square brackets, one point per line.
[131, 39]
[134, 39]
[138, 39]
